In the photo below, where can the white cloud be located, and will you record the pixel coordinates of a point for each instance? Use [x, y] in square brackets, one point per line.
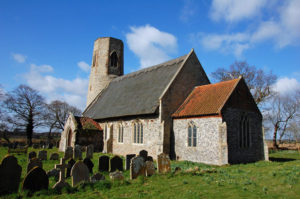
[189, 9]
[84, 66]
[19, 57]
[286, 85]
[150, 44]
[72, 91]
[235, 10]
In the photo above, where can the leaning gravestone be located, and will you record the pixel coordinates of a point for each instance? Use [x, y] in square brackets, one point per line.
[42, 155]
[89, 151]
[69, 167]
[89, 164]
[77, 153]
[54, 156]
[103, 163]
[116, 163]
[128, 160]
[34, 162]
[61, 182]
[36, 180]
[144, 154]
[163, 163]
[150, 168]
[137, 167]
[10, 174]
[68, 152]
[31, 155]
[79, 173]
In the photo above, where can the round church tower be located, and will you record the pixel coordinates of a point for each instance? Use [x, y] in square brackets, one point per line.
[107, 64]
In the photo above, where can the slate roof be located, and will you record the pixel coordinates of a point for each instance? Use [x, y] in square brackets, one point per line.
[136, 93]
[206, 100]
[82, 121]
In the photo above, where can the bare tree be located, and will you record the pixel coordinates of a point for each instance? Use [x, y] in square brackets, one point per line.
[284, 110]
[26, 106]
[3, 119]
[57, 113]
[257, 80]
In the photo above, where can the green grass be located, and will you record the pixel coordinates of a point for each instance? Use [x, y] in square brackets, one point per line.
[277, 179]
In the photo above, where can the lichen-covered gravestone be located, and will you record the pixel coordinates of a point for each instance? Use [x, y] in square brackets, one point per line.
[36, 180]
[163, 163]
[150, 168]
[79, 173]
[69, 167]
[103, 163]
[31, 155]
[89, 164]
[128, 160]
[117, 175]
[137, 167]
[77, 153]
[33, 162]
[54, 156]
[10, 174]
[61, 182]
[42, 155]
[68, 153]
[144, 154]
[89, 151]
[116, 163]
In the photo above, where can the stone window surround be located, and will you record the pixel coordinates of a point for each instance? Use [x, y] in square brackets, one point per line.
[193, 127]
[137, 130]
[110, 59]
[244, 138]
[120, 133]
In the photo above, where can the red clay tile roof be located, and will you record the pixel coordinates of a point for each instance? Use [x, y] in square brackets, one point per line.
[82, 121]
[206, 100]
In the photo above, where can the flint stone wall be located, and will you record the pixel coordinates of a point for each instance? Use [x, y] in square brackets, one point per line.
[211, 140]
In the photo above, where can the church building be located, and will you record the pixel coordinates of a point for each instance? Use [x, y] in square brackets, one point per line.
[171, 107]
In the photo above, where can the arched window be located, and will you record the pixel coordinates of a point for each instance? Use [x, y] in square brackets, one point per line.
[138, 134]
[114, 59]
[244, 132]
[192, 135]
[105, 132]
[120, 135]
[69, 137]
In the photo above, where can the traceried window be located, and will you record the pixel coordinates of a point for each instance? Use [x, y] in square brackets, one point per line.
[114, 59]
[120, 134]
[192, 135]
[244, 132]
[138, 134]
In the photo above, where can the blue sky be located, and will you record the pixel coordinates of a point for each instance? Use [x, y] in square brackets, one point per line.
[48, 44]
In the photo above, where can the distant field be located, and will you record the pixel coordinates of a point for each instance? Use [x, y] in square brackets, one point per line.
[276, 179]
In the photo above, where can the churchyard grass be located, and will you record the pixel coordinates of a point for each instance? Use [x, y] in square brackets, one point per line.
[277, 179]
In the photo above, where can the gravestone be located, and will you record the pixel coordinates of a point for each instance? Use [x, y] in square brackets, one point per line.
[97, 177]
[117, 175]
[128, 160]
[35, 146]
[68, 153]
[89, 164]
[61, 182]
[116, 163]
[137, 167]
[77, 153]
[42, 155]
[69, 167]
[34, 162]
[144, 154]
[31, 155]
[53, 173]
[103, 163]
[89, 151]
[149, 158]
[150, 168]
[163, 163]
[36, 180]
[79, 173]
[54, 156]
[10, 174]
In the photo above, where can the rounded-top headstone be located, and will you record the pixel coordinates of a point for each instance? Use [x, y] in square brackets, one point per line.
[144, 154]
[36, 180]
[103, 163]
[79, 173]
[89, 164]
[10, 174]
[31, 155]
[33, 163]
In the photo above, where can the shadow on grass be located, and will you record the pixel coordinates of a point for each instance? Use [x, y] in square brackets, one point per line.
[281, 159]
